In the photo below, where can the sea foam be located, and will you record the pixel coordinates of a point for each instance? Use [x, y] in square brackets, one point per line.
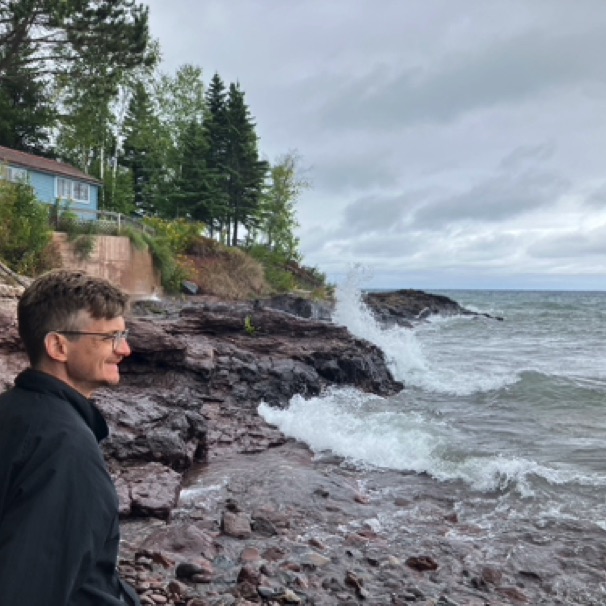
[416, 356]
[363, 430]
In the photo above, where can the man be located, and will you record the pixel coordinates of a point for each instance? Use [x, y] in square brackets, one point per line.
[59, 532]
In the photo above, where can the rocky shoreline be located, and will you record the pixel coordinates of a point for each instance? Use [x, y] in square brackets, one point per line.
[220, 508]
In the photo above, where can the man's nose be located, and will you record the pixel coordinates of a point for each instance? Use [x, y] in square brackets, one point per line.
[123, 348]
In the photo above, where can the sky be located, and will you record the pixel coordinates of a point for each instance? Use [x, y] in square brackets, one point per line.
[448, 144]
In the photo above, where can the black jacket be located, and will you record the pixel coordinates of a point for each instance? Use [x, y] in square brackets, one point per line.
[59, 527]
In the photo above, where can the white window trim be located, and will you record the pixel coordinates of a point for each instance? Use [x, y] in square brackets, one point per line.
[71, 188]
[13, 174]
[17, 174]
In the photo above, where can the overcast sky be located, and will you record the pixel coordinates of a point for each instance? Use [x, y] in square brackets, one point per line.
[450, 144]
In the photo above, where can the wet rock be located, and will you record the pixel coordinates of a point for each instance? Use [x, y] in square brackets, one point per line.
[316, 560]
[181, 542]
[298, 306]
[263, 526]
[407, 307]
[148, 490]
[236, 524]
[513, 593]
[186, 570]
[422, 563]
[491, 575]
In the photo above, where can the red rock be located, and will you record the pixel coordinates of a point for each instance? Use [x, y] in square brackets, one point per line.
[250, 554]
[513, 593]
[422, 563]
[236, 525]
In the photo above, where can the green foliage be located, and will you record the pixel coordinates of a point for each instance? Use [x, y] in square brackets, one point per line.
[192, 197]
[145, 152]
[136, 238]
[71, 54]
[26, 112]
[24, 229]
[249, 327]
[118, 192]
[216, 129]
[83, 246]
[166, 261]
[180, 235]
[278, 217]
[246, 172]
[67, 31]
[274, 263]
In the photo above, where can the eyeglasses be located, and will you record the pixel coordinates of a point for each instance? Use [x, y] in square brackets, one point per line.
[117, 337]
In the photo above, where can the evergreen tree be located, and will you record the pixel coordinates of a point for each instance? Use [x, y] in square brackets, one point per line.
[216, 129]
[143, 151]
[55, 33]
[245, 172]
[180, 99]
[192, 195]
[26, 114]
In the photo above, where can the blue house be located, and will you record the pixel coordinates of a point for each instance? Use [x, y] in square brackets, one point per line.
[52, 181]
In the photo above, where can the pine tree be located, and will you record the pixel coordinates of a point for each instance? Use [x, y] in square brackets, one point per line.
[143, 151]
[245, 172]
[216, 129]
[180, 99]
[59, 32]
[26, 113]
[192, 195]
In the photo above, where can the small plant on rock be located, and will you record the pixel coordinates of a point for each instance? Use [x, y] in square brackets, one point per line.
[249, 327]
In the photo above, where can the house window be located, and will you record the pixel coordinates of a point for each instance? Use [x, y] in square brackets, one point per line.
[80, 191]
[17, 175]
[73, 190]
[64, 188]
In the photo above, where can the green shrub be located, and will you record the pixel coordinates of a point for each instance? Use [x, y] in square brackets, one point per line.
[83, 245]
[274, 263]
[136, 238]
[180, 234]
[24, 229]
[165, 260]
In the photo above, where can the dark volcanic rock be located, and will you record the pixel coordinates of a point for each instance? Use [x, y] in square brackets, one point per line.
[405, 307]
[298, 306]
[12, 354]
[192, 385]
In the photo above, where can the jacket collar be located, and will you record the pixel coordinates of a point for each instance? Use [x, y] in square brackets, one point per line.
[41, 382]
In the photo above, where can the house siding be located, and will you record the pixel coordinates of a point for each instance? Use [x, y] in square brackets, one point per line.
[44, 186]
[42, 175]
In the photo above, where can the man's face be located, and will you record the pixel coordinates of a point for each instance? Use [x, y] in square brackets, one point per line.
[92, 360]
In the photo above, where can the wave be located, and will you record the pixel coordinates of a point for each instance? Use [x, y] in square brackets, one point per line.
[415, 362]
[366, 430]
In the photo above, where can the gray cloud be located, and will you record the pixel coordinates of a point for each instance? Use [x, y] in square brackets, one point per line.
[571, 245]
[454, 144]
[497, 198]
[501, 72]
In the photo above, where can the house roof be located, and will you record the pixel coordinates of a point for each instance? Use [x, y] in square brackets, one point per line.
[43, 165]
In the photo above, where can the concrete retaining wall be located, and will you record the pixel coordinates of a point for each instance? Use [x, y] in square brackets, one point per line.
[114, 258]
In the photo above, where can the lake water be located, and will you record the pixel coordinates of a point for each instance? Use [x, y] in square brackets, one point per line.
[510, 413]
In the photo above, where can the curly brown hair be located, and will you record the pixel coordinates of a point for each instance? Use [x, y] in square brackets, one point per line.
[56, 300]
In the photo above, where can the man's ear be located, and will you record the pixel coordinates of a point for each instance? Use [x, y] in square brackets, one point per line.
[56, 346]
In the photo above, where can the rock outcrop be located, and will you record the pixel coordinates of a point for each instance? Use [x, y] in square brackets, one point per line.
[191, 387]
[409, 307]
